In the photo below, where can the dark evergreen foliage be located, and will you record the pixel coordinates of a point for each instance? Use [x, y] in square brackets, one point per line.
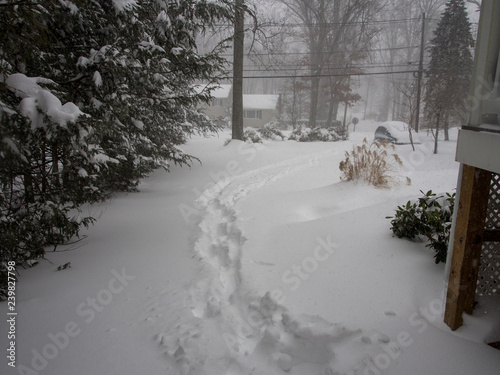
[430, 217]
[126, 71]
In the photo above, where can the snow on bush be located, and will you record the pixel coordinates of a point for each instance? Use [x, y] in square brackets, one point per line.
[122, 5]
[269, 132]
[430, 217]
[37, 101]
[371, 163]
[316, 134]
[252, 136]
[258, 135]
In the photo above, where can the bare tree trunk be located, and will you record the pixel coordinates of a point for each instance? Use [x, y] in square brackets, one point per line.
[294, 105]
[29, 196]
[43, 170]
[330, 27]
[335, 109]
[446, 127]
[313, 110]
[55, 165]
[331, 108]
[329, 120]
[436, 136]
[66, 181]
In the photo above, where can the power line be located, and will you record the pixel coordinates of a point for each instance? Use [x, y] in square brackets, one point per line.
[326, 52]
[329, 75]
[304, 24]
[305, 68]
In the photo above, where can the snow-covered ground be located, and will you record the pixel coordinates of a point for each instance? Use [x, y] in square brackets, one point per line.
[258, 261]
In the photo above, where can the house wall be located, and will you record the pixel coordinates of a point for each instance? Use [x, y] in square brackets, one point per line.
[216, 111]
[485, 92]
[268, 115]
[220, 108]
[479, 141]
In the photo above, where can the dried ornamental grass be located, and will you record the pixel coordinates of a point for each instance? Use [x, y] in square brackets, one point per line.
[372, 163]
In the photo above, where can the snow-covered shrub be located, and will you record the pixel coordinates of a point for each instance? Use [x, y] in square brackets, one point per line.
[316, 134]
[281, 122]
[47, 172]
[430, 217]
[258, 135]
[269, 132]
[252, 136]
[371, 163]
[249, 136]
[28, 230]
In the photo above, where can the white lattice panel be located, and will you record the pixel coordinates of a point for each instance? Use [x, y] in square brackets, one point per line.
[488, 281]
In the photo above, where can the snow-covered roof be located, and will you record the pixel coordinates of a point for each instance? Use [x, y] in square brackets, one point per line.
[250, 101]
[222, 91]
[258, 101]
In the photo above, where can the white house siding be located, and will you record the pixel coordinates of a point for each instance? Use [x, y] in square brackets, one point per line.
[217, 109]
[265, 105]
[258, 110]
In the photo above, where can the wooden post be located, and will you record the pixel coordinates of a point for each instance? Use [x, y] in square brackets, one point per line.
[238, 55]
[467, 244]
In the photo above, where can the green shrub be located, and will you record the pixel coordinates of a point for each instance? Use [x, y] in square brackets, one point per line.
[429, 217]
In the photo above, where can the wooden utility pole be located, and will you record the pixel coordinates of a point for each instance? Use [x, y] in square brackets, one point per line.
[238, 51]
[420, 74]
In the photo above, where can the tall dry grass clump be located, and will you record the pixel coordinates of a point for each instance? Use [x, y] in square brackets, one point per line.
[372, 163]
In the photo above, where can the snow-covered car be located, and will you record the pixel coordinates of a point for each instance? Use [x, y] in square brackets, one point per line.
[395, 132]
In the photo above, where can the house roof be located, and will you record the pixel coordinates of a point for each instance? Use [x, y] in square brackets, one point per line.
[258, 101]
[250, 101]
[222, 91]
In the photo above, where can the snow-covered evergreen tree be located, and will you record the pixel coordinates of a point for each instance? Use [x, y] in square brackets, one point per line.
[449, 73]
[94, 95]
[137, 80]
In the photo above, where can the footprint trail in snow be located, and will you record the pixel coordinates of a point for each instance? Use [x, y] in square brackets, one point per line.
[225, 332]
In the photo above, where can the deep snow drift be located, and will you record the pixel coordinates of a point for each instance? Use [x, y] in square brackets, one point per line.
[258, 261]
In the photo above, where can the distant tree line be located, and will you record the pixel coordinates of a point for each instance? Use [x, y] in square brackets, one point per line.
[315, 45]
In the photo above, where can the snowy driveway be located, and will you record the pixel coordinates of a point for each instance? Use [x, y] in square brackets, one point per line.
[257, 262]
